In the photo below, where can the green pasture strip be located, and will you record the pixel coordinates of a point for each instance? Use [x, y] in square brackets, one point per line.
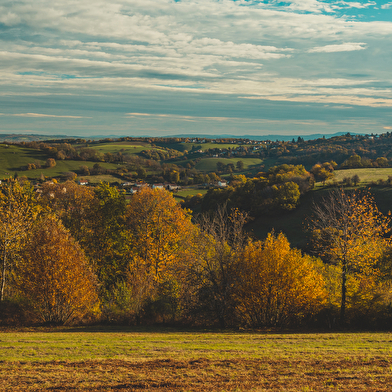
[209, 164]
[189, 192]
[366, 175]
[125, 343]
[123, 147]
[64, 167]
[13, 158]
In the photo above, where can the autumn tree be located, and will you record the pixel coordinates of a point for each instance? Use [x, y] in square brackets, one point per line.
[278, 285]
[17, 213]
[214, 270]
[349, 231]
[54, 274]
[159, 231]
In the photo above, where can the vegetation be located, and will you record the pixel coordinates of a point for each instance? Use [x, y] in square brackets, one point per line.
[126, 359]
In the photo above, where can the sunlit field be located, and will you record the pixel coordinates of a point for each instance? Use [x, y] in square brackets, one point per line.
[124, 359]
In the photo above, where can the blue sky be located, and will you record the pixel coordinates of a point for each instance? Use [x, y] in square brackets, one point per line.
[165, 67]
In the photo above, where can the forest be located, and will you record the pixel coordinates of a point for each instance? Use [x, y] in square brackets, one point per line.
[78, 254]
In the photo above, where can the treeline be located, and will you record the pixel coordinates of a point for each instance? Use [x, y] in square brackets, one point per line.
[278, 189]
[77, 254]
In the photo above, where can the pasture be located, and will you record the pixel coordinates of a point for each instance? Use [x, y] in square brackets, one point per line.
[209, 164]
[127, 359]
[366, 175]
[123, 147]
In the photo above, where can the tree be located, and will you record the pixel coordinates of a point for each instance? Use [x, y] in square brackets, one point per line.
[214, 270]
[349, 231]
[159, 231]
[240, 165]
[278, 286]
[17, 214]
[50, 162]
[158, 226]
[54, 274]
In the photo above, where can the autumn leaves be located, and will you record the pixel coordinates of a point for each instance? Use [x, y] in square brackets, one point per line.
[69, 251]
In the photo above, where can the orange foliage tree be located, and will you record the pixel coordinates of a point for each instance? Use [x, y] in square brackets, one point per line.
[279, 286]
[349, 231]
[54, 274]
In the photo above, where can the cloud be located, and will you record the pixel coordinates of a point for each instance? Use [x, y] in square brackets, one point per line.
[355, 4]
[36, 115]
[386, 6]
[346, 47]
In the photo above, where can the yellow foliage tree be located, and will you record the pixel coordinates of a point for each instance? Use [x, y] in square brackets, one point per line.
[159, 231]
[278, 285]
[54, 274]
[17, 212]
[159, 228]
[349, 231]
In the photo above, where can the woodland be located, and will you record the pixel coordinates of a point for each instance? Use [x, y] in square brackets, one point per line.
[74, 254]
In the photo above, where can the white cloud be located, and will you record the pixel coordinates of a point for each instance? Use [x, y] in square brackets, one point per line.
[36, 115]
[356, 4]
[346, 47]
[386, 6]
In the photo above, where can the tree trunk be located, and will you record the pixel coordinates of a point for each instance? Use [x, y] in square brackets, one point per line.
[3, 276]
[344, 289]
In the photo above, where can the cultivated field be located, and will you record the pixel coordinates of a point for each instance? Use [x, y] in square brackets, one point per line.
[126, 360]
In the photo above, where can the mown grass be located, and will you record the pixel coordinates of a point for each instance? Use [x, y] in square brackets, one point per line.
[209, 164]
[13, 158]
[126, 359]
[123, 147]
[366, 175]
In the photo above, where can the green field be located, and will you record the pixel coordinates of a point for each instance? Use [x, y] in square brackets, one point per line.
[12, 158]
[366, 175]
[63, 167]
[183, 193]
[125, 359]
[209, 164]
[123, 147]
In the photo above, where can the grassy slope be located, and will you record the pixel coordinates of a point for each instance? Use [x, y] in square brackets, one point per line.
[124, 359]
[209, 164]
[124, 147]
[12, 158]
[366, 175]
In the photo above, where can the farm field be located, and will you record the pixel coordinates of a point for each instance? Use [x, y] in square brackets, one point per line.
[125, 359]
[123, 147]
[209, 164]
[183, 193]
[366, 175]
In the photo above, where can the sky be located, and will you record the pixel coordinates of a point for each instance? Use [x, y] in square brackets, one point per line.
[169, 67]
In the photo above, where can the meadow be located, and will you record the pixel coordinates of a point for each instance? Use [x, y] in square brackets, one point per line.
[128, 359]
[366, 175]
[209, 164]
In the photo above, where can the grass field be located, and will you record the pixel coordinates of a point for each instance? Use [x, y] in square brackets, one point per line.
[209, 164]
[366, 175]
[123, 147]
[183, 193]
[12, 158]
[124, 359]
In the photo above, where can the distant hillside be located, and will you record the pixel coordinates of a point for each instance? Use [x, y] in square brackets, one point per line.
[266, 137]
[16, 137]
